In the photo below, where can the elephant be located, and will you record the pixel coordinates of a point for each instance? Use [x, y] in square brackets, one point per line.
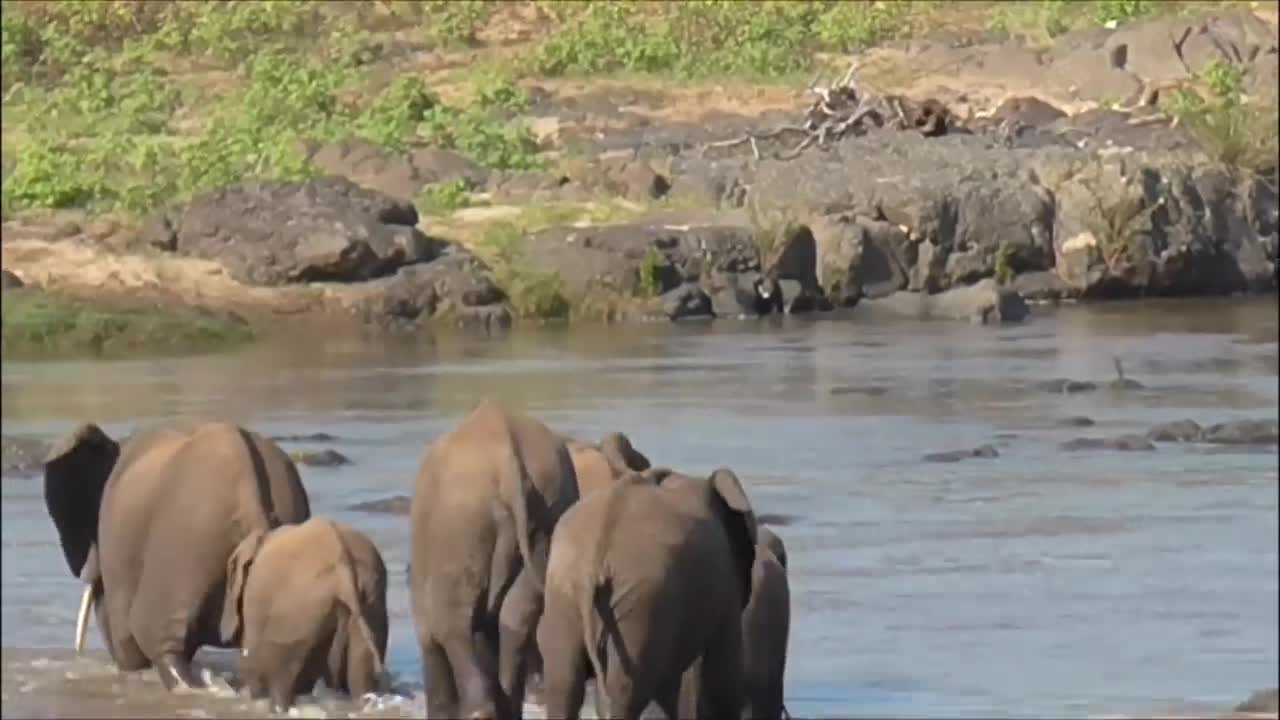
[598, 465]
[766, 624]
[644, 578]
[148, 526]
[486, 500]
[307, 601]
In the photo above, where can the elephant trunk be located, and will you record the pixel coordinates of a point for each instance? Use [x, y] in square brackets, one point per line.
[82, 618]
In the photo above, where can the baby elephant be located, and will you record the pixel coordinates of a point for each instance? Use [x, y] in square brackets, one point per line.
[766, 623]
[307, 601]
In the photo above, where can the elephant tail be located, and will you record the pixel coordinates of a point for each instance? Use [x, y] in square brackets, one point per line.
[350, 597]
[523, 495]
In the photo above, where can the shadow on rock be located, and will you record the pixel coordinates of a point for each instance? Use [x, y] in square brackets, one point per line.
[982, 451]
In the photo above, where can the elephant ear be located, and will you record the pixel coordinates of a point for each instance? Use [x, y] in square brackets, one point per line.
[770, 540]
[618, 449]
[75, 473]
[237, 572]
[734, 510]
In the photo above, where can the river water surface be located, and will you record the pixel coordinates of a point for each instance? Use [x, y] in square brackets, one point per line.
[1041, 582]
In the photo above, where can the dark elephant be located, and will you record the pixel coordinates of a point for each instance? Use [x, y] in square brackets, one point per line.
[645, 578]
[487, 497]
[149, 525]
[305, 602]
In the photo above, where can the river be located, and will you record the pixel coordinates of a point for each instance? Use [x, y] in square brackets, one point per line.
[1040, 582]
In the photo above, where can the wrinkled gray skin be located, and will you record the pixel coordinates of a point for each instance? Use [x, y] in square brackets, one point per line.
[305, 602]
[149, 525]
[645, 577]
[487, 497]
[766, 625]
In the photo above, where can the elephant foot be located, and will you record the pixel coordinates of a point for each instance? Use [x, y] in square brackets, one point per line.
[175, 673]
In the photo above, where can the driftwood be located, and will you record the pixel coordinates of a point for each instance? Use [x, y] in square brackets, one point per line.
[842, 110]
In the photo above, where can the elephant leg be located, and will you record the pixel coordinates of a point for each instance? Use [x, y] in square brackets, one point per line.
[477, 684]
[517, 623]
[437, 678]
[337, 665]
[668, 700]
[122, 646]
[565, 662]
[361, 677]
[720, 680]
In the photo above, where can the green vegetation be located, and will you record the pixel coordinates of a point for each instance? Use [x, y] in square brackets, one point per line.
[442, 198]
[649, 265]
[1234, 130]
[133, 104]
[36, 324]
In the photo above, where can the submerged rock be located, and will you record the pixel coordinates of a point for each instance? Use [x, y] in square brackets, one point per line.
[1066, 386]
[982, 451]
[1243, 432]
[1262, 701]
[395, 505]
[1122, 442]
[1182, 431]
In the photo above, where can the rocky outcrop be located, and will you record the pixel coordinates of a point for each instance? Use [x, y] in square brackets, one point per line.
[281, 232]
[981, 304]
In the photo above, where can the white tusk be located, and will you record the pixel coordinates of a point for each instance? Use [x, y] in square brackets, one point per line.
[82, 619]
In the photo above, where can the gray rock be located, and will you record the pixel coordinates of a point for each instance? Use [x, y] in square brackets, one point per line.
[454, 287]
[320, 458]
[394, 505]
[1243, 432]
[22, 456]
[1181, 431]
[276, 233]
[1077, 421]
[982, 451]
[1122, 442]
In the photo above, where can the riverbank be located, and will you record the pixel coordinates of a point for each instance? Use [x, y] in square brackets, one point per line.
[421, 166]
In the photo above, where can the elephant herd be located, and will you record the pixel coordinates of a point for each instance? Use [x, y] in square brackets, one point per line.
[531, 553]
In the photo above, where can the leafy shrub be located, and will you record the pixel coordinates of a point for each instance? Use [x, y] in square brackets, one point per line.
[1235, 131]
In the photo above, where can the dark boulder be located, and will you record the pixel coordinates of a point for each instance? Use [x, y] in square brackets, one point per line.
[1066, 386]
[454, 288]
[400, 176]
[1077, 421]
[980, 304]
[687, 301]
[282, 232]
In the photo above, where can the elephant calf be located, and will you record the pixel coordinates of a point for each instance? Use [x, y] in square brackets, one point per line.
[645, 578]
[307, 601]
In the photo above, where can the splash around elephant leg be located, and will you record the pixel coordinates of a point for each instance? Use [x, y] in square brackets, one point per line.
[175, 672]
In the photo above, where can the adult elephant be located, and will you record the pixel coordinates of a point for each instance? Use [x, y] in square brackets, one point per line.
[597, 465]
[305, 602]
[149, 525]
[486, 499]
[644, 579]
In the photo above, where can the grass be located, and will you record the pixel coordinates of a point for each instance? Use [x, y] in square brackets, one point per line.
[1234, 129]
[37, 324]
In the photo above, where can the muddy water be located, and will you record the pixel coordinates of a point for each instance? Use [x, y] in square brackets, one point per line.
[1039, 582]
